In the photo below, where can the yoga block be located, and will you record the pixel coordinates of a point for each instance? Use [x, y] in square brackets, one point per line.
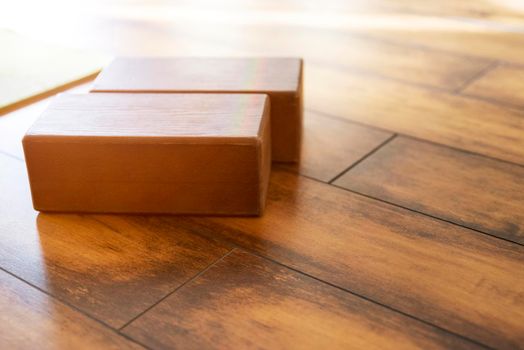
[280, 78]
[151, 153]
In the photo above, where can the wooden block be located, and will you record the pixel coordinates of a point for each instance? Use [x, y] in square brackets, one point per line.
[151, 153]
[280, 78]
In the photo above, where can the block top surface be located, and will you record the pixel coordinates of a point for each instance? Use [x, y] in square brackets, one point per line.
[201, 74]
[180, 117]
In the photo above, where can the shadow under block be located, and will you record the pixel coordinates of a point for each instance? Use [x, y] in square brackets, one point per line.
[151, 153]
[280, 78]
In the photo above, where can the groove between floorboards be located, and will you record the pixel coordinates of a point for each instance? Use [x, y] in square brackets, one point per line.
[363, 297]
[482, 73]
[367, 155]
[73, 307]
[235, 246]
[177, 288]
[402, 207]
[7, 154]
[351, 121]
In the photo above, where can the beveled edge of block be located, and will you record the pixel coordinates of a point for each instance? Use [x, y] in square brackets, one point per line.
[264, 155]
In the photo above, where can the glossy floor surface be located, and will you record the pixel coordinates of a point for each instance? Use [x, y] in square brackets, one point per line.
[403, 226]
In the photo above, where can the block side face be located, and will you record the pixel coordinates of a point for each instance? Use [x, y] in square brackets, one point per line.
[286, 127]
[152, 178]
[264, 156]
[152, 115]
[200, 74]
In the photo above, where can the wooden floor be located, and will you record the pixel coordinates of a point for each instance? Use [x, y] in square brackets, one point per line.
[403, 227]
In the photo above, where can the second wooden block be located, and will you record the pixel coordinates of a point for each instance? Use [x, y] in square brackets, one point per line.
[280, 78]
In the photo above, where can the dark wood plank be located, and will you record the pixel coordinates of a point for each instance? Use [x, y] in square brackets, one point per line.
[450, 276]
[111, 267]
[504, 84]
[33, 320]
[427, 114]
[247, 302]
[470, 190]
[330, 145]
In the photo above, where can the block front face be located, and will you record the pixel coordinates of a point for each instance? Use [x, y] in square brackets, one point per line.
[280, 78]
[135, 154]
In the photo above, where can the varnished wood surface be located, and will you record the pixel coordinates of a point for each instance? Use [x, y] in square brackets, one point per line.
[436, 116]
[33, 320]
[408, 261]
[435, 68]
[330, 145]
[274, 308]
[395, 266]
[111, 267]
[503, 84]
[439, 181]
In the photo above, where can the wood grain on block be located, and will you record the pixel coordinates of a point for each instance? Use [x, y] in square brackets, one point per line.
[481, 193]
[151, 153]
[33, 320]
[280, 78]
[247, 302]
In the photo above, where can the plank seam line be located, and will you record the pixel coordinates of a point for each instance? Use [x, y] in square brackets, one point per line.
[510, 105]
[401, 206]
[475, 77]
[7, 154]
[197, 275]
[421, 86]
[407, 43]
[75, 308]
[350, 121]
[367, 155]
[363, 297]
[428, 215]
[430, 88]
